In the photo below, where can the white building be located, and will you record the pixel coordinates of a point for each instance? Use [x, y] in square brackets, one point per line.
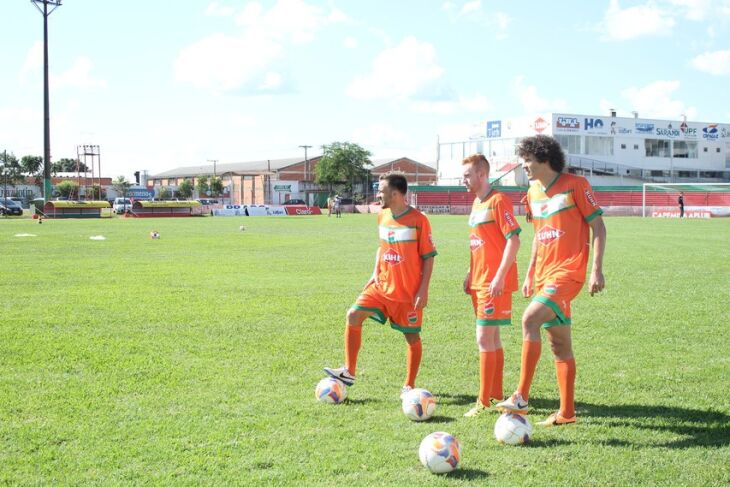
[607, 149]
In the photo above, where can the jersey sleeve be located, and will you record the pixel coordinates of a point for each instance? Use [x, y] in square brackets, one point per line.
[585, 200]
[506, 218]
[426, 248]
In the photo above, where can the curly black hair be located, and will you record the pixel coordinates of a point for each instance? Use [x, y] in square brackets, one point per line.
[543, 149]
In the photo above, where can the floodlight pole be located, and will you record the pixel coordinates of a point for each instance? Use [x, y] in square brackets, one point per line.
[46, 104]
[306, 161]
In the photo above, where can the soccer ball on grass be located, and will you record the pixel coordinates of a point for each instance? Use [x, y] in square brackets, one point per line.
[418, 404]
[512, 429]
[330, 391]
[440, 452]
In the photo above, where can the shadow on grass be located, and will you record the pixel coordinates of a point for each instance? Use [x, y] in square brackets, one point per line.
[468, 474]
[364, 400]
[699, 428]
[549, 443]
[456, 399]
[441, 419]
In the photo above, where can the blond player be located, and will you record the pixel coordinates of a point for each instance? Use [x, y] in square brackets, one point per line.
[564, 213]
[492, 278]
[398, 288]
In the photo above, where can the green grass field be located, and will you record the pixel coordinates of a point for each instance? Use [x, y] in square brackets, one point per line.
[192, 359]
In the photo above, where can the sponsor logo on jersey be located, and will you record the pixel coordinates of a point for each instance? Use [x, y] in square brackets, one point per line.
[510, 219]
[548, 235]
[590, 198]
[391, 236]
[392, 257]
[475, 242]
[397, 234]
[412, 317]
[489, 308]
[551, 289]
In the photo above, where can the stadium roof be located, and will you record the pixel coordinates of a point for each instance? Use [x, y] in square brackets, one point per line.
[249, 167]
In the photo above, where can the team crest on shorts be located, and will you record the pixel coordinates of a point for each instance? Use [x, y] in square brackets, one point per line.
[412, 317]
[551, 289]
[489, 308]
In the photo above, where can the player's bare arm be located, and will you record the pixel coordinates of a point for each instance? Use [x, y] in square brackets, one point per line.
[421, 298]
[528, 285]
[597, 282]
[496, 287]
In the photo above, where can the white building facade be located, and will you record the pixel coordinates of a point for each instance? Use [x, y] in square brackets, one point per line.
[607, 149]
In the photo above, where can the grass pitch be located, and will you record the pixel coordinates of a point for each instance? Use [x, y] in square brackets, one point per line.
[192, 359]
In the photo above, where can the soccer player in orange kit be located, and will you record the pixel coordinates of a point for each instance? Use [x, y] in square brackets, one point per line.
[564, 212]
[398, 288]
[492, 278]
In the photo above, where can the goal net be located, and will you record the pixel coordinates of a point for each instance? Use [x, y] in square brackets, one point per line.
[701, 200]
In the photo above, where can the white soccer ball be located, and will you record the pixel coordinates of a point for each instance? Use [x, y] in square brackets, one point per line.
[154, 235]
[330, 390]
[513, 429]
[418, 404]
[440, 452]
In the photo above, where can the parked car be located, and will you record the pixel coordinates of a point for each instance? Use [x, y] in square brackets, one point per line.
[207, 201]
[295, 201]
[121, 205]
[10, 207]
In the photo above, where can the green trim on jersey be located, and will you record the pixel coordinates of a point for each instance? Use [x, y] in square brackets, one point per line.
[554, 181]
[405, 329]
[395, 217]
[556, 322]
[553, 306]
[504, 322]
[596, 213]
[516, 231]
[482, 200]
[429, 255]
[377, 316]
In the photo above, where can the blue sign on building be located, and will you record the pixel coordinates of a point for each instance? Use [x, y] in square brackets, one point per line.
[140, 193]
[494, 129]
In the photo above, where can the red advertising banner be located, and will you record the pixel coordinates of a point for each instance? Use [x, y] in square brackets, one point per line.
[302, 210]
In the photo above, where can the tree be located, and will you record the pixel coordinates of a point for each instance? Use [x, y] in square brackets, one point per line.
[185, 189]
[342, 162]
[67, 165]
[11, 170]
[121, 186]
[95, 192]
[164, 193]
[67, 189]
[31, 165]
[202, 185]
[216, 186]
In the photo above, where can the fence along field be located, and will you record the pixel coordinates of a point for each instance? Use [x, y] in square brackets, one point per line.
[193, 358]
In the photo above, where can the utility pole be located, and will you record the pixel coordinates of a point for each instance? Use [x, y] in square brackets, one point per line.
[5, 175]
[46, 105]
[306, 161]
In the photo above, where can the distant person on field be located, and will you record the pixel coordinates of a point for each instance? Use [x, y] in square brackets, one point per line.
[564, 213]
[338, 206]
[398, 289]
[492, 277]
[330, 204]
[680, 202]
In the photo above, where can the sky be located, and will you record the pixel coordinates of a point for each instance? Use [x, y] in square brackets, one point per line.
[163, 84]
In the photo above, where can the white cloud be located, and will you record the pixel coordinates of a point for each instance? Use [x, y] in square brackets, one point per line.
[696, 10]
[472, 11]
[400, 72]
[472, 6]
[649, 19]
[215, 9]
[337, 16]
[655, 101]
[244, 61]
[350, 43]
[379, 135]
[532, 102]
[477, 103]
[79, 75]
[717, 62]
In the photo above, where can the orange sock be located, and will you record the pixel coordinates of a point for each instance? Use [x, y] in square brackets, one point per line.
[413, 361]
[530, 357]
[565, 371]
[487, 364]
[497, 387]
[353, 339]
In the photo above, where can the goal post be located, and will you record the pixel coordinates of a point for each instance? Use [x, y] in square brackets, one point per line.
[721, 190]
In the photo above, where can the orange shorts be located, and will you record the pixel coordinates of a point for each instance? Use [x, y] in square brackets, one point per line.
[557, 294]
[402, 316]
[492, 311]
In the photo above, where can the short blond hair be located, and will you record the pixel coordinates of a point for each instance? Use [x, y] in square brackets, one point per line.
[478, 160]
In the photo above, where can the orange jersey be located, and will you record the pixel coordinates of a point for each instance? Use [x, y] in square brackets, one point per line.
[561, 213]
[492, 222]
[405, 242]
